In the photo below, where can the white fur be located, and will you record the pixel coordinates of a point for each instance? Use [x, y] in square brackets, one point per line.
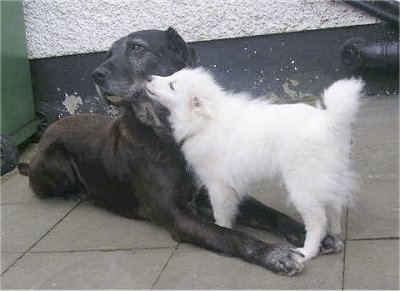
[233, 141]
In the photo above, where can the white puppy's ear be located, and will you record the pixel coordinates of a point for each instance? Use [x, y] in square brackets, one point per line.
[200, 107]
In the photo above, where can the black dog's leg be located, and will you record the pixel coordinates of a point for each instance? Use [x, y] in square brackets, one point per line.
[255, 214]
[281, 260]
[52, 172]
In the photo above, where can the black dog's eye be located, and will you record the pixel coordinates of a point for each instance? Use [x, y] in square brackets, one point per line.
[108, 55]
[171, 85]
[136, 47]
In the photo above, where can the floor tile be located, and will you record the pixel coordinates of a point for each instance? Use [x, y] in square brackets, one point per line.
[87, 270]
[375, 213]
[377, 163]
[16, 190]
[372, 264]
[376, 134]
[92, 228]
[8, 259]
[24, 224]
[195, 268]
[377, 110]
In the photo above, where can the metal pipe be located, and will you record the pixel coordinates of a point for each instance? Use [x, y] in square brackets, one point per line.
[375, 10]
[357, 53]
[389, 4]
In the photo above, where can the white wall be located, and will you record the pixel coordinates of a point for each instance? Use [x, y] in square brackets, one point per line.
[64, 27]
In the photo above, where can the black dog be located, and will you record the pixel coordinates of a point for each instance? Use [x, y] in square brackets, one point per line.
[132, 166]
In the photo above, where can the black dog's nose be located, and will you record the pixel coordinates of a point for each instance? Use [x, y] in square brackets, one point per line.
[149, 78]
[99, 75]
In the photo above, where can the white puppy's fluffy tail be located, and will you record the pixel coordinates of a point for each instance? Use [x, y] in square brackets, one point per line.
[343, 99]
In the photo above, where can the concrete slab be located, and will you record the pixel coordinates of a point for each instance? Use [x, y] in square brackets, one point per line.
[376, 134]
[378, 109]
[16, 190]
[372, 264]
[24, 224]
[377, 122]
[91, 247]
[92, 228]
[377, 163]
[7, 260]
[375, 213]
[376, 156]
[195, 268]
[87, 270]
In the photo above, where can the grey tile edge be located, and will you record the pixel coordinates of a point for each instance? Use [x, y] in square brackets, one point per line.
[153, 286]
[41, 237]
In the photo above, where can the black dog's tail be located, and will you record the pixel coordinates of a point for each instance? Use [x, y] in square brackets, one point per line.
[23, 169]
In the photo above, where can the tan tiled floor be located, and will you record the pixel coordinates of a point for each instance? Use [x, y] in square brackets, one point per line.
[51, 244]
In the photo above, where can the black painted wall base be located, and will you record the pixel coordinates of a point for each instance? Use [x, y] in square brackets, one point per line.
[289, 67]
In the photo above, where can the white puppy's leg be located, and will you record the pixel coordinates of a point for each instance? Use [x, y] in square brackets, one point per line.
[224, 201]
[333, 212]
[315, 222]
[332, 242]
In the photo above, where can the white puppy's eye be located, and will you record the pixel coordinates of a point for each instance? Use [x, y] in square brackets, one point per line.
[171, 85]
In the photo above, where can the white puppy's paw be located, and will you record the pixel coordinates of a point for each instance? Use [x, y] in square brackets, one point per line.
[305, 256]
[308, 254]
[330, 245]
[283, 260]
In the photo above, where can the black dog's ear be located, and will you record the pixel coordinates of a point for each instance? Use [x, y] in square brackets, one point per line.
[177, 44]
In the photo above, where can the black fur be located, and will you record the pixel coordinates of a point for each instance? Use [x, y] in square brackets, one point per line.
[132, 166]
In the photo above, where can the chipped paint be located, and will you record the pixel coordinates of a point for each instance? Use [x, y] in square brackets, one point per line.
[72, 102]
[288, 91]
[289, 88]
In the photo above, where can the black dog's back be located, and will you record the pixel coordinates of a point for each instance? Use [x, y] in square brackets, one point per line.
[53, 169]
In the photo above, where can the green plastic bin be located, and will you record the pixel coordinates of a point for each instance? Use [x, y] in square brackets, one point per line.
[17, 102]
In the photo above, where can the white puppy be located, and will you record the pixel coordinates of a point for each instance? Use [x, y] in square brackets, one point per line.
[233, 141]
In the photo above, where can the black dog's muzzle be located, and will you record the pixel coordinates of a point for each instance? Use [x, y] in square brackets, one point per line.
[99, 75]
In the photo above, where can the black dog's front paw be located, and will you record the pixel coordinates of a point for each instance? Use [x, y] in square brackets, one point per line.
[330, 245]
[284, 260]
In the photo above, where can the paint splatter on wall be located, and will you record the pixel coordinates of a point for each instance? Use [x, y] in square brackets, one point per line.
[72, 102]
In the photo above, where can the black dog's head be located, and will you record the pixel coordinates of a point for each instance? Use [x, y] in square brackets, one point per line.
[130, 60]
